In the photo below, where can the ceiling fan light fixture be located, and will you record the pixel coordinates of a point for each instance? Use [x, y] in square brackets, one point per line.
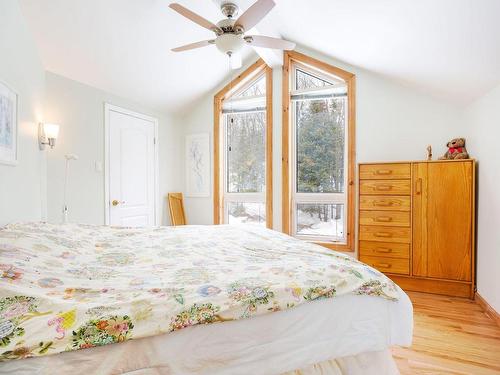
[230, 32]
[229, 43]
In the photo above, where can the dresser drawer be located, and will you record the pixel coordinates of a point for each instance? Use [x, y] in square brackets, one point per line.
[384, 171]
[387, 218]
[388, 265]
[391, 187]
[384, 249]
[384, 234]
[384, 203]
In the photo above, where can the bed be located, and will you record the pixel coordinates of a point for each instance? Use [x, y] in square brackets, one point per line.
[85, 299]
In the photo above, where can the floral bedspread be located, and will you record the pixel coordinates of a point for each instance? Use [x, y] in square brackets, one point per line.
[70, 287]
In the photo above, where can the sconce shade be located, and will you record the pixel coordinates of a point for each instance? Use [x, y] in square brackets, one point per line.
[47, 135]
[51, 130]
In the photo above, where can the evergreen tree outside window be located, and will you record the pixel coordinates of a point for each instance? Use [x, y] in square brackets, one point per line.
[318, 202]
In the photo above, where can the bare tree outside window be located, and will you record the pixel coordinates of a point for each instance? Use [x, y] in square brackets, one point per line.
[246, 152]
[245, 155]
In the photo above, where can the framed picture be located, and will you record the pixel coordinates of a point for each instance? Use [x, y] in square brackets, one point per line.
[198, 165]
[8, 125]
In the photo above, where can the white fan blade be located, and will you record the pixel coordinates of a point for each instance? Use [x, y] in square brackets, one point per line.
[194, 17]
[187, 47]
[255, 13]
[268, 42]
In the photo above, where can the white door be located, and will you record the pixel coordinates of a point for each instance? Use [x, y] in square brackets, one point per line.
[131, 157]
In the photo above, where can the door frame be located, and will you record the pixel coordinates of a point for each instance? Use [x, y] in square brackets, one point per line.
[107, 204]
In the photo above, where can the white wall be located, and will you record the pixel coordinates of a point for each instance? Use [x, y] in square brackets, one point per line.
[483, 131]
[79, 109]
[22, 187]
[393, 122]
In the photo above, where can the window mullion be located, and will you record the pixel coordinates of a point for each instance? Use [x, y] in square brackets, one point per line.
[320, 198]
[245, 197]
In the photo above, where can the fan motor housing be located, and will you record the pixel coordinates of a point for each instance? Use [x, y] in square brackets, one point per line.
[226, 25]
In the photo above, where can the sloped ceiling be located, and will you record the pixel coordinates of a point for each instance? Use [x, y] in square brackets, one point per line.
[450, 48]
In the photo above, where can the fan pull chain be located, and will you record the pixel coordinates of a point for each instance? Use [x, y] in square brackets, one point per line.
[231, 91]
[231, 119]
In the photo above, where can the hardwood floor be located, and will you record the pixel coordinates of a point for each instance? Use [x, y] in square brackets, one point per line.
[451, 336]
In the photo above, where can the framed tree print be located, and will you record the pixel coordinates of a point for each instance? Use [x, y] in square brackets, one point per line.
[8, 125]
[198, 165]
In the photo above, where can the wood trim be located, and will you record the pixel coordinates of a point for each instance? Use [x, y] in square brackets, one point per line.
[318, 64]
[269, 147]
[351, 97]
[336, 246]
[242, 79]
[434, 286]
[350, 78]
[490, 311]
[473, 228]
[245, 76]
[285, 147]
[412, 221]
[217, 195]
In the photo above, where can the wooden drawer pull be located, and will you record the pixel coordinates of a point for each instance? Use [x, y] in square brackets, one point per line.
[383, 187]
[384, 265]
[384, 172]
[383, 203]
[384, 219]
[383, 234]
[383, 250]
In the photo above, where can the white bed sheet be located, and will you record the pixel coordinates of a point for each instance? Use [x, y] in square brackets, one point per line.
[268, 344]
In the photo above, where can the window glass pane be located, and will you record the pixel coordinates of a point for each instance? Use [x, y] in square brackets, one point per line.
[247, 213]
[320, 149]
[305, 80]
[246, 152]
[257, 89]
[316, 219]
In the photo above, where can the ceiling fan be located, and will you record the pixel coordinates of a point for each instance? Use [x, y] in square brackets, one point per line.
[230, 32]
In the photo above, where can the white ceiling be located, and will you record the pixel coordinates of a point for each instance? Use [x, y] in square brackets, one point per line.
[447, 47]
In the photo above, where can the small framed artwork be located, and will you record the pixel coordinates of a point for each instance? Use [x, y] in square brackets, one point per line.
[198, 165]
[8, 125]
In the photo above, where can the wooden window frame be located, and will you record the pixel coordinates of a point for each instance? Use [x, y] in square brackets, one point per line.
[291, 57]
[231, 88]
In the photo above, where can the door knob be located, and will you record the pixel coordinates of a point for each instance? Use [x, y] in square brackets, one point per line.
[116, 203]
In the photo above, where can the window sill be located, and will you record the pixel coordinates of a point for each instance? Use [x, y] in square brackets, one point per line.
[334, 246]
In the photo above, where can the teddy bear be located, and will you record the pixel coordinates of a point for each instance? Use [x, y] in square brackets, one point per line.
[456, 150]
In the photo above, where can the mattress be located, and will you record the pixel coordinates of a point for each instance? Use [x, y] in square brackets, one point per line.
[267, 344]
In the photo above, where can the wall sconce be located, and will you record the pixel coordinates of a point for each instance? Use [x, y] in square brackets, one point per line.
[47, 135]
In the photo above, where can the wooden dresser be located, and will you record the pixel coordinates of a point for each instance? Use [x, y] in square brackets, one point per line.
[416, 224]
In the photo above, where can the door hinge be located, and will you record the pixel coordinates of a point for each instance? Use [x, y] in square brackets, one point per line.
[154, 141]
